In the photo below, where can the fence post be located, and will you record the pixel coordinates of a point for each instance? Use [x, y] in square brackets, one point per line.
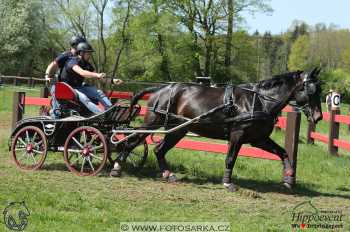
[349, 124]
[311, 127]
[292, 138]
[333, 131]
[17, 107]
[44, 92]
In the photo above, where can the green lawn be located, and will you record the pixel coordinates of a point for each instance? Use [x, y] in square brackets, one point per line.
[61, 201]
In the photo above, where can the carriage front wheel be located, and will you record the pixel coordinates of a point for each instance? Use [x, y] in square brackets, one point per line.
[29, 148]
[85, 151]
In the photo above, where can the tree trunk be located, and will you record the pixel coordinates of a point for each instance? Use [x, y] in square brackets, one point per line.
[229, 33]
[195, 50]
[124, 42]
[208, 51]
[164, 67]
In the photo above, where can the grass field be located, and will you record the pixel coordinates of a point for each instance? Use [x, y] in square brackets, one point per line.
[61, 201]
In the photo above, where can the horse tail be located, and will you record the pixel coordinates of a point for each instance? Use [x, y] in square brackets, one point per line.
[139, 95]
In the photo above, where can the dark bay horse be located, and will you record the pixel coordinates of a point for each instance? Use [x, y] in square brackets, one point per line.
[249, 115]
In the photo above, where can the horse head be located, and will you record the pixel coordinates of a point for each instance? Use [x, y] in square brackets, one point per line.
[307, 95]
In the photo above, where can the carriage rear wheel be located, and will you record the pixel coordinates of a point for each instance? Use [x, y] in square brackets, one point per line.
[85, 151]
[29, 148]
[136, 158]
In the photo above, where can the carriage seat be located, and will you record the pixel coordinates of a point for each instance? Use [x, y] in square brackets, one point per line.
[63, 91]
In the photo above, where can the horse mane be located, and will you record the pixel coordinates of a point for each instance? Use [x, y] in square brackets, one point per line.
[278, 80]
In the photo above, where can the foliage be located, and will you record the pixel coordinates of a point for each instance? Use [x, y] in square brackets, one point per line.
[20, 39]
[339, 81]
[166, 40]
[298, 58]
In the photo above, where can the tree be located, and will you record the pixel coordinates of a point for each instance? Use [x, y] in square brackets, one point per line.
[233, 9]
[299, 56]
[20, 38]
[100, 7]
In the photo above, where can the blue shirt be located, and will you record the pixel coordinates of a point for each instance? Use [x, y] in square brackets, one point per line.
[61, 60]
[70, 76]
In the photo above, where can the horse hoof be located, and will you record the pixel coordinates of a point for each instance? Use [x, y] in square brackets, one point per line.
[230, 187]
[172, 178]
[288, 186]
[115, 173]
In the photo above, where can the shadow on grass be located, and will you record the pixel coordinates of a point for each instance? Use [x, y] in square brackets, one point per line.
[201, 179]
[261, 186]
[55, 167]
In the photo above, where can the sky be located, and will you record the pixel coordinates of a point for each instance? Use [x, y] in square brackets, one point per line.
[310, 11]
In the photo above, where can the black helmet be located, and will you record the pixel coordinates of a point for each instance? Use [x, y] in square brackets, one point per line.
[75, 40]
[84, 47]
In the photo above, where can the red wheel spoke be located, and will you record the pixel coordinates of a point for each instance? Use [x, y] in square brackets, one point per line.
[77, 142]
[96, 157]
[33, 158]
[38, 152]
[82, 166]
[34, 136]
[93, 139]
[21, 140]
[92, 167]
[97, 147]
[27, 136]
[84, 137]
[38, 143]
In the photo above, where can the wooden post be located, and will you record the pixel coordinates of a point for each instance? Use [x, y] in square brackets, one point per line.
[333, 131]
[292, 138]
[349, 124]
[18, 107]
[14, 81]
[310, 128]
[44, 92]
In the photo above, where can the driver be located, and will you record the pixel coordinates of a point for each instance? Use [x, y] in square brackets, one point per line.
[76, 70]
[59, 63]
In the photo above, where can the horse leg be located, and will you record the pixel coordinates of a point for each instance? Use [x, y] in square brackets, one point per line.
[151, 121]
[288, 172]
[117, 167]
[235, 145]
[169, 141]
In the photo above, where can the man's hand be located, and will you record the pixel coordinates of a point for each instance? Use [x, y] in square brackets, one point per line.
[47, 78]
[101, 75]
[117, 81]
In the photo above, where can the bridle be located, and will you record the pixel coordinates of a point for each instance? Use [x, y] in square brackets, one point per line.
[309, 89]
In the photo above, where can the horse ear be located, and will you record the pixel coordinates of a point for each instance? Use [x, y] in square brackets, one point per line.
[313, 72]
[318, 71]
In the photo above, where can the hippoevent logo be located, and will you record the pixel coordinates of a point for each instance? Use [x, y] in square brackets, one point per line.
[306, 216]
[15, 216]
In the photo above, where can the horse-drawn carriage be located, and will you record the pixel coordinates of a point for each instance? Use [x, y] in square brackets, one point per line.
[85, 140]
[239, 114]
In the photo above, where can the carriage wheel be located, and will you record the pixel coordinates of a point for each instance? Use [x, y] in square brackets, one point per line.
[136, 158]
[85, 151]
[29, 148]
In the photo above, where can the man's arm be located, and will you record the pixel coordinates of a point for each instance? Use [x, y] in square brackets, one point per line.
[87, 74]
[50, 70]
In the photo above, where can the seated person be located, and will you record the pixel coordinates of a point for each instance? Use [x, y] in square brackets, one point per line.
[59, 63]
[76, 70]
